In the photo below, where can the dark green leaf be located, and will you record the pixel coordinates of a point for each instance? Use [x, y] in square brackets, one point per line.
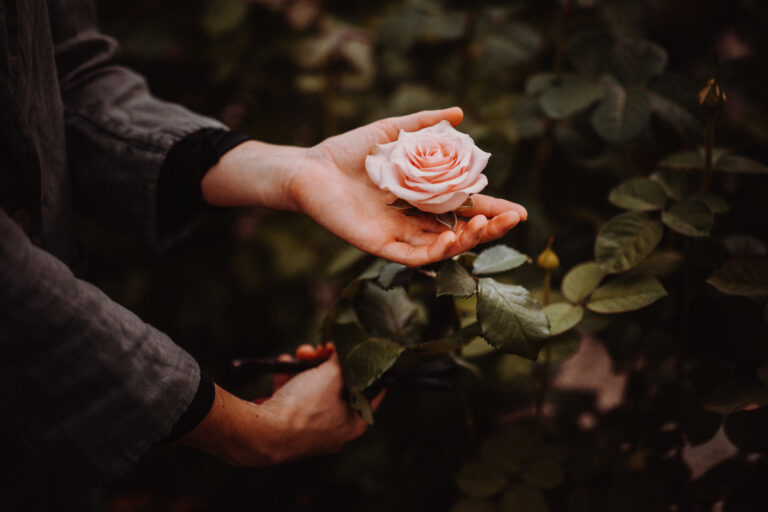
[635, 61]
[684, 160]
[224, 16]
[400, 204]
[638, 194]
[360, 403]
[389, 273]
[627, 294]
[453, 279]
[747, 429]
[511, 319]
[481, 479]
[389, 314]
[689, 217]
[572, 94]
[589, 52]
[675, 114]
[661, 263]
[581, 281]
[539, 83]
[716, 203]
[498, 258]
[368, 360]
[675, 183]
[740, 164]
[523, 498]
[740, 245]
[563, 316]
[545, 469]
[743, 275]
[512, 44]
[735, 395]
[622, 114]
[512, 449]
[625, 240]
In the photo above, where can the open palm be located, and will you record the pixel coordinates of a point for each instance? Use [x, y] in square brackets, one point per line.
[335, 190]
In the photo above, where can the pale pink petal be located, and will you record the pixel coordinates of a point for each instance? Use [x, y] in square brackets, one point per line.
[443, 203]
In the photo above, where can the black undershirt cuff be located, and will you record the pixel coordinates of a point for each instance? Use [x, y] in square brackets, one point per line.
[198, 409]
[180, 197]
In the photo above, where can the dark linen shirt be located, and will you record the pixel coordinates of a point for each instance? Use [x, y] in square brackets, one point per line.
[86, 387]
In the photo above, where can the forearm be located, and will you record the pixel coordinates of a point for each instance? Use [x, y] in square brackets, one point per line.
[255, 174]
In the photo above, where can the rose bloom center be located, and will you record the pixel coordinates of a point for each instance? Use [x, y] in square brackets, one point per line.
[433, 158]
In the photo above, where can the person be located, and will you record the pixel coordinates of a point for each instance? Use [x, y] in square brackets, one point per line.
[86, 387]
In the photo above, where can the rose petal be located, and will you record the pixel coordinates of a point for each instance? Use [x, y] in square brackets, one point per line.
[443, 203]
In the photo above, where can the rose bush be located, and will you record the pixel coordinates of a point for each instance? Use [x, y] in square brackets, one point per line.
[434, 169]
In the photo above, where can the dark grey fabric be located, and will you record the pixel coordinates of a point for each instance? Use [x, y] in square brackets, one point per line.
[86, 387]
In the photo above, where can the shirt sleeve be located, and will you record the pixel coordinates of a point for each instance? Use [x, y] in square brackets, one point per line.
[82, 379]
[118, 134]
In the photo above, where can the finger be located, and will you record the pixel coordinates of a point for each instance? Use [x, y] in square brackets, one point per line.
[412, 122]
[413, 256]
[279, 379]
[500, 224]
[493, 206]
[470, 236]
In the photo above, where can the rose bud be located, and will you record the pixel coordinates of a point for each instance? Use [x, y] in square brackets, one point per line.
[434, 169]
[548, 260]
[712, 96]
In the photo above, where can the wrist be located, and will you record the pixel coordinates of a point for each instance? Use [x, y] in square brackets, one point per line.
[255, 174]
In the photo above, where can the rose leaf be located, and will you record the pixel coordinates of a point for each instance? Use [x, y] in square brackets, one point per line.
[625, 240]
[498, 258]
[690, 218]
[453, 279]
[581, 281]
[626, 294]
[447, 219]
[511, 319]
[563, 316]
[743, 275]
[639, 194]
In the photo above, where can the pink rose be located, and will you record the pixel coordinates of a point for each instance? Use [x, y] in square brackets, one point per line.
[434, 169]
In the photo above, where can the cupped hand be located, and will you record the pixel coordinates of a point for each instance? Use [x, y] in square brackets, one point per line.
[334, 189]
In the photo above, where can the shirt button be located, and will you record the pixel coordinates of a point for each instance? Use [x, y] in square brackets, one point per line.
[23, 219]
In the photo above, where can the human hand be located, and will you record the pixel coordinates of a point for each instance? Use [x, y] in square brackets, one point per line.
[307, 415]
[334, 189]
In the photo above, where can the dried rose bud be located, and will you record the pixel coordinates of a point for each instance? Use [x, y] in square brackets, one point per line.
[712, 96]
[548, 260]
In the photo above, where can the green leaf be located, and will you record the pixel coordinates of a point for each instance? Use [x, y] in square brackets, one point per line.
[545, 469]
[684, 160]
[481, 479]
[589, 51]
[627, 294]
[740, 164]
[572, 94]
[511, 319]
[512, 44]
[639, 194]
[360, 403]
[224, 16]
[389, 314]
[734, 395]
[522, 497]
[625, 240]
[389, 273]
[675, 183]
[661, 263]
[453, 279]
[744, 275]
[635, 60]
[563, 316]
[475, 505]
[622, 114]
[581, 281]
[498, 258]
[448, 219]
[689, 217]
[716, 203]
[367, 361]
[675, 114]
[477, 347]
[400, 204]
[539, 83]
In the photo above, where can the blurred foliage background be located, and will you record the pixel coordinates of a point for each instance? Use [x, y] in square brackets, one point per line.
[571, 97]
